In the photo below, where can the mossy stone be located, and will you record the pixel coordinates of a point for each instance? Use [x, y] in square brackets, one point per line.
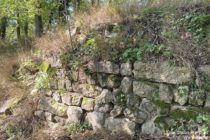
[181, 94]
[88, 104]
[163, 108]
[187, 115]
[161, 123]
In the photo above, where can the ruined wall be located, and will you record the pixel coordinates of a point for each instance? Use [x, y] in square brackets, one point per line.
[132, 97]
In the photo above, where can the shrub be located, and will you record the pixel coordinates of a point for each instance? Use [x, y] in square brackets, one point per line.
[54, 41]
[132, 54]
[96, 16]
[79, 127]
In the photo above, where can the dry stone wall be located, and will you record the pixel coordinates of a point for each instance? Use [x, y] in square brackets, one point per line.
[129, 97]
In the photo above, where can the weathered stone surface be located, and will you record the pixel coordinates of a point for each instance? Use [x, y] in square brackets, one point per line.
[88, 104]
[117, 111]
[119, 97]
[104, 67]
[113, 81]
[109, 81]
[53, 85]
[57, 97]
[8, 104]
[54, 61]
[74, 75]
[143, 89]
[203, 77]
[105, 108]
[205, 70]
[68, 85]
[49, 93]
[207, 102]
[62, 138]
[76, 99]
[106, 96]
[74, 114]
[149, 128]
[197, 97]
[96, 119]
[91, 79]
[126, 85]
[126, 69]
[136, 115]
[165, 93]
[102, 79]
[82, 76]
[186, 113]
[120, 124]
[76, 87]
[163, 108]
[49, 116]
[133, 101]
[40, 114]
[149, 107]
[61, 73]
[50, 105]
[61, 84]
[163, 72]
[181, 95]
[60, 120]
[87, 90]
[66, 99]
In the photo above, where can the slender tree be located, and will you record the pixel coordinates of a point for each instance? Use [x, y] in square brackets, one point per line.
[3, 27]
[18, 26]
[26, 28]
[38, 20]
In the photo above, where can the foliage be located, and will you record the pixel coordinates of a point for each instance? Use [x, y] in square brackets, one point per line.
[120, 98]
[44, 66]
[10, 130]
[132, 54]
[79, 127]
[198, 25]
[205, 121]
[44, 76]
[42, 80]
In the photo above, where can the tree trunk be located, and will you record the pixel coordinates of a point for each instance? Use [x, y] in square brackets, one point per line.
[3, 28]
[38, 25]
[18, 26]
[110, 1]
[93, 2]
[61, 11]
[50, 19]
[26, 28]
[76, 5]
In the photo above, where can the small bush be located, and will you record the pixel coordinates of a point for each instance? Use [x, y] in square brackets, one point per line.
[133, 54]
[79, 127]
[53, 42]
[96, 16]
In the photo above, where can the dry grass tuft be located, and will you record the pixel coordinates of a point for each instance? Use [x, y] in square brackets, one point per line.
[177, 3]
[9, 63]
[102, 134]
[52, 42]
[94, 17]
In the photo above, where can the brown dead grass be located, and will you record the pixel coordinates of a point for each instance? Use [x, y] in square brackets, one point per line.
[8, 64]
[53, 41]
[97, 16]
[176, 2]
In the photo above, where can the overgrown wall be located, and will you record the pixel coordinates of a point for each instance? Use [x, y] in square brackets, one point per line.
[133, 97]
